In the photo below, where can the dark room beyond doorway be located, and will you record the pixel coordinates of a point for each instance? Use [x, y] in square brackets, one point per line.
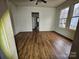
[35, 21]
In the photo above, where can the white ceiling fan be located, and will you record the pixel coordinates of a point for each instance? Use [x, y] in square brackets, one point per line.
[37, 1]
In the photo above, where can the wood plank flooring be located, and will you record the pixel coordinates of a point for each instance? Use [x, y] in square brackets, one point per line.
[42, 45]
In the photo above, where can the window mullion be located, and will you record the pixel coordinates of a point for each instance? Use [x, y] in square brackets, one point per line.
[70, 14]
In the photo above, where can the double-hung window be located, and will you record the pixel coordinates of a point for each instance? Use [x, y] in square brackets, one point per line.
[63, 17]
[75, 17]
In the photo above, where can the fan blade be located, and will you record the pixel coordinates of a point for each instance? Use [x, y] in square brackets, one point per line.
[31, 0]
[44, 1]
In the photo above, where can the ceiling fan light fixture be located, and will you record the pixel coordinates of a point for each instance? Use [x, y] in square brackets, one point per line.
[36, 3]
[44, 1]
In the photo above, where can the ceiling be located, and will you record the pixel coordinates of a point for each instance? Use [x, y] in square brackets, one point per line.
[50, 3]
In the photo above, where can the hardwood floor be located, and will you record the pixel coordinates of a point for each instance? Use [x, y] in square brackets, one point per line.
[42, 45]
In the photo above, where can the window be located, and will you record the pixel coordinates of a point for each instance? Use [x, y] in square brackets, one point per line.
[75, 17]
[63, 17]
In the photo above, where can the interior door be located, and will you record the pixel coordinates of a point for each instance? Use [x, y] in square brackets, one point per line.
[7, 42]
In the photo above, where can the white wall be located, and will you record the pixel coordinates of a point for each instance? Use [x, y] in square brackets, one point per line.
[23, 19]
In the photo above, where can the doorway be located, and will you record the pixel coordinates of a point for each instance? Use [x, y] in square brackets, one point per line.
[35, 21]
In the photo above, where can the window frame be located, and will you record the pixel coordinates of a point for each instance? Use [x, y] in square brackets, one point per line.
[69, 17]
[73, 16]
[60, 19]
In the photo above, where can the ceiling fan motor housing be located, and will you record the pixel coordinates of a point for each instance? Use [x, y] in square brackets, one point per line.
[39, 1]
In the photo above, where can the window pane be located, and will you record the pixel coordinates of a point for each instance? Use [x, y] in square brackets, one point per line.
[62, 23]
[64, 13]
[76, 10]
[73, 23]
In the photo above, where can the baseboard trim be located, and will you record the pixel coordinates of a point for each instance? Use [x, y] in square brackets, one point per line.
[21, 32]
[50, 31]
[63, 36]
